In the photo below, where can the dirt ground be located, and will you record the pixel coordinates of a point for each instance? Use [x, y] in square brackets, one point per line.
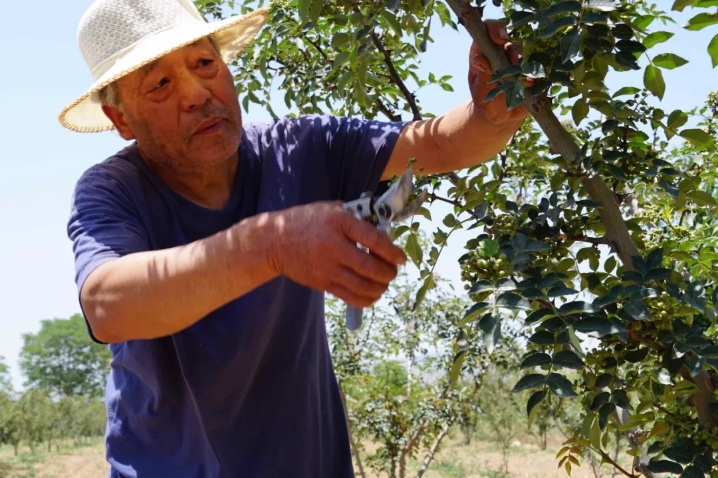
[480, 459]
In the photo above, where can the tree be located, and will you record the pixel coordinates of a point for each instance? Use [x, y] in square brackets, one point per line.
[594, 226]
[62, 359]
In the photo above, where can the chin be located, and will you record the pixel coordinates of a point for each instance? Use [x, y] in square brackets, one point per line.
[215, 149]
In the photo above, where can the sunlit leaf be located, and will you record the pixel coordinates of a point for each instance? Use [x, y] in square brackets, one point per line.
[653, 80]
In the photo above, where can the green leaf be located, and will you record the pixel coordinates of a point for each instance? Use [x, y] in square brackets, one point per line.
[697, 137]
[340, 39]
[542, 337]
[680, 5]
[669, 61]
[303, 9]
[535, 360]
[677, 119]
[535, 398]
[514, 95]
[702, 198]
[490, 325]
[579, 111]
[391, 18]
[560, 385]
[575, 307]
[713, 50]
[701, 21]
[599, 400]
[656, 38]
[570, 44]
[602, 5]
[456, 368]
[637, 310]
[635, 356]
[513, 302]
[567, 359]
[413, 249]
[664, 466]
[528, 382]
[450, 221]
[473, 312]
[653, 80]
[562, 7]
[626, 90]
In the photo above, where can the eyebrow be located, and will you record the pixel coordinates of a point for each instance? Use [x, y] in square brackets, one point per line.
[147, 69]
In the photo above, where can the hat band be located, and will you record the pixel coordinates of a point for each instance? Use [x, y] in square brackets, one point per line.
[104, 66]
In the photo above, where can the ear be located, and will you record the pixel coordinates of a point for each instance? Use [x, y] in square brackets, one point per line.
[119, 119]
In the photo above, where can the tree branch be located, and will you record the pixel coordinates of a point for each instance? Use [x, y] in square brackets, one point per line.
[457, 204]
[539, 107]
[432, 451]
[395, 76]
[387, 112]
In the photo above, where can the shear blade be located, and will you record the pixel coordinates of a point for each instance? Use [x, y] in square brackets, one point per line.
[395, 197]
[412, 207]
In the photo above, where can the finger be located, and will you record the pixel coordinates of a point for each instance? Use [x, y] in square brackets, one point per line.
[349, 296]
[497, 31]
[479, 66]
[513, 52]
[367, 265]
[359, 285]
[370, 237]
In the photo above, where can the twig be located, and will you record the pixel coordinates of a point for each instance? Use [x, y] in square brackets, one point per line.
[587, 239]
[387, 112]
[671, 414]
[432, 451]
[606, 457]
[395, 77]
[434, 197]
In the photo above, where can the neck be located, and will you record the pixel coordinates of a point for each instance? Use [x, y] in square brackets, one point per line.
[209, 186]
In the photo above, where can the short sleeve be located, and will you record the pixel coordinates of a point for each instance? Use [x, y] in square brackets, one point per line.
[358, 153]
[104, 224]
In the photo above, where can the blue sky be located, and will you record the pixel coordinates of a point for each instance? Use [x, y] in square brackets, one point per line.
[43, 70]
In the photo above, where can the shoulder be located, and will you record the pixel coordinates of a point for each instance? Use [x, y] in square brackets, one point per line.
[114, 177]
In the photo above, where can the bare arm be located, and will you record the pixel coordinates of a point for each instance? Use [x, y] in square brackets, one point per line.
[460, 139]
[470, 133]
[157, 293]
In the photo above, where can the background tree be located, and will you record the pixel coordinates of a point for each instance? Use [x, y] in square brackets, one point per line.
[594, 227]
[62, 359]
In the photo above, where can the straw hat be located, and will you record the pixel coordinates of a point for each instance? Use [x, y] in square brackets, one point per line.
[117, 37]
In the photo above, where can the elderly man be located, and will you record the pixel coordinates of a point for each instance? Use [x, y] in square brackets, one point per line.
[205, 247]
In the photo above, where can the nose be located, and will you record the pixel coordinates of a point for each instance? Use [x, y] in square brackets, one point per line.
[193, 93]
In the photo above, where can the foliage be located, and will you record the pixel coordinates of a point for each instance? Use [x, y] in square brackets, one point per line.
[594, 227]
[62, 359]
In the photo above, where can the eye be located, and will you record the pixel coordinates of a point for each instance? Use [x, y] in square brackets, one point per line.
[205, 62]
[160, 84]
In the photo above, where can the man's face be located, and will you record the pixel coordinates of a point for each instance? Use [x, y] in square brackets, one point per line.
[182, 109]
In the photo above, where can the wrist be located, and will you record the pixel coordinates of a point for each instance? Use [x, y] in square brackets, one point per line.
[255, 246]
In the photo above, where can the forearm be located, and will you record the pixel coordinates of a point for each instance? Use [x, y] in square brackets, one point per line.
[157, 293]
[459, 139]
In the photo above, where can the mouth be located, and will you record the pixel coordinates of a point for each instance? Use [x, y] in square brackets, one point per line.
[209, 127]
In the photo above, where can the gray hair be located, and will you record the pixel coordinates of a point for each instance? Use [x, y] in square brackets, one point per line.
[108, 96]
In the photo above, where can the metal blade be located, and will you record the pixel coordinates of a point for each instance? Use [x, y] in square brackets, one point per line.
[396, 196]
[412, 207]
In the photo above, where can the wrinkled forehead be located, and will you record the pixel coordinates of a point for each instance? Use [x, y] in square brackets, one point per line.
[176, 56]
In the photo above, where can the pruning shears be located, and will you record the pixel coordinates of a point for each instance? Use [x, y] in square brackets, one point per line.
[382, 211]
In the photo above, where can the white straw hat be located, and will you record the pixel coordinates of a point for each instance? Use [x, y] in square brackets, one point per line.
[117, 37]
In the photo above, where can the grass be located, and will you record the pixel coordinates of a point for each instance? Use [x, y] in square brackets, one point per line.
[480, 459]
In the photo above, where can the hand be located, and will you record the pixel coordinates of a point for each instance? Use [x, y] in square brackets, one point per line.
[480, 72]
[316, 247]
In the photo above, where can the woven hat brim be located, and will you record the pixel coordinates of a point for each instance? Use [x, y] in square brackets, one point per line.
[232, 36]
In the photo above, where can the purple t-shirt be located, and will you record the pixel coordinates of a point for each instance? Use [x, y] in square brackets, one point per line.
[249, 390]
